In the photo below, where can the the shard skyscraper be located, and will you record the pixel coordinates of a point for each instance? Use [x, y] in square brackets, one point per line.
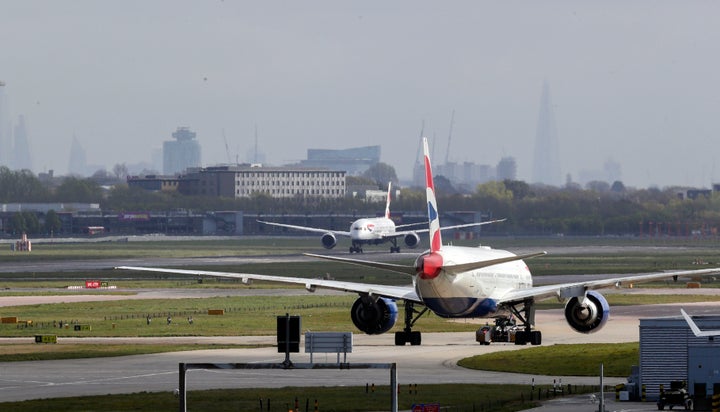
[78, 159]
[546, 168]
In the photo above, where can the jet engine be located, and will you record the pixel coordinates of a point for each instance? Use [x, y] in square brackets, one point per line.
[587, 314]
[374, 316]
[412, 240]
[328, 240]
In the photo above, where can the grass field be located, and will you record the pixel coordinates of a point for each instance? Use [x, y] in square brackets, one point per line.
[561, 360]
[455, 397]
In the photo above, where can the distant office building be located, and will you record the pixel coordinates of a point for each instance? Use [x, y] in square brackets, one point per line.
[278, 182]
[354, 161]
[546, 168]
[155, 183]
[78, 159]
[466, 174]
[506, 169]
[611, 172]
[21, 149]
[182, 153]
[156, 158]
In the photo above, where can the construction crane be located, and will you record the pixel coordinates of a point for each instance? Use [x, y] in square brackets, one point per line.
[227, 148]
[452, 121]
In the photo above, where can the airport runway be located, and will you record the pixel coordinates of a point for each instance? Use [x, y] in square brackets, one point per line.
[433, 362]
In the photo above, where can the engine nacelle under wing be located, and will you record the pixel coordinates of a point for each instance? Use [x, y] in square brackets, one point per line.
[412, 240]
[588, 314]
[374, 316]
[328, 240]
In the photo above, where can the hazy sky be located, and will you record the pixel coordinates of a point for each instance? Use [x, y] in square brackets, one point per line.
[633, 81]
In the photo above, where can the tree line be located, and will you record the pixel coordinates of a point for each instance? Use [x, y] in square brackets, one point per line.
[596, 209]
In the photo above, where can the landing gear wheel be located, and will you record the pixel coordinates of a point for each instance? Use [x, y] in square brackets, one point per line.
[413, 337]
[400, 338]
[394, 249]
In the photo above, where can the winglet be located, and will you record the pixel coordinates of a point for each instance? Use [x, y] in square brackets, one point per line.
[387, 203]
[433, 217]
[695, 329]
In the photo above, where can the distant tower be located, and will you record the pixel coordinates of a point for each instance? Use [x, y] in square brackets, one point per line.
[4, 128]
[546, 168]
[182, 153]
[21, 149]
[506, 169]
[78, 159]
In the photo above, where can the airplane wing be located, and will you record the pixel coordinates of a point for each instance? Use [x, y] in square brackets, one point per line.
[307, 229]
[405, 232]
[394, 292]
[568, 290]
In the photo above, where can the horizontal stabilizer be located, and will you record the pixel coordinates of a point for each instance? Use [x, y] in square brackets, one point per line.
[464, 267]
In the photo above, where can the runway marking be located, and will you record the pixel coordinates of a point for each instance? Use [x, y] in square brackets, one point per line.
[23, 384]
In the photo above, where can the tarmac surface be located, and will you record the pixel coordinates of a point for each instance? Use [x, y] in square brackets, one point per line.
[590, 403]
[432, 362]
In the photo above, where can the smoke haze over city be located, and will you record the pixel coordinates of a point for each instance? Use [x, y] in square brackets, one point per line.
[631, 83]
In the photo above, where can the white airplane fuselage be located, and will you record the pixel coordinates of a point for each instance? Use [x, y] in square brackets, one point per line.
[371, 230]
[471, 293]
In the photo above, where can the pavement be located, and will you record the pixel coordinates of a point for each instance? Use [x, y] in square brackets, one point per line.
[590, 403]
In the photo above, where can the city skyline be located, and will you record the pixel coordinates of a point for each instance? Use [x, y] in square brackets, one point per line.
[633, 84]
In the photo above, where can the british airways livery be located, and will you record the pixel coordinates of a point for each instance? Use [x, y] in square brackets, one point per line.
[460, 282]
[372, 231]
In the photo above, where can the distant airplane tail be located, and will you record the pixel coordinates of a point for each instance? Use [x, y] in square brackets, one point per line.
[387, 203]
[433, 218]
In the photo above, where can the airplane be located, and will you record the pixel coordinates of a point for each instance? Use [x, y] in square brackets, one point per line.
[373, 231]
[459, 282]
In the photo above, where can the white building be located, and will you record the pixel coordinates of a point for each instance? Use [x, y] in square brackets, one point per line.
[277, 182]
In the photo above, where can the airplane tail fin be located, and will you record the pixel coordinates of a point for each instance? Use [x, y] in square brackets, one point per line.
[433, 218]
[387, 203]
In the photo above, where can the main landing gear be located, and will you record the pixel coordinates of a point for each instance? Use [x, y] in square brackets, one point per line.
[526, 316]
[355, 248]
[394, 248]
[408, 335]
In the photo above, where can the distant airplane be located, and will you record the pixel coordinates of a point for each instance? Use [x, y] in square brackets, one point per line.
[373, 231]
[460, 282]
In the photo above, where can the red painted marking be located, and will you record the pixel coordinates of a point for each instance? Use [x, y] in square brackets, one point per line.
[428, 174]
[436, 242]
[432, 265]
